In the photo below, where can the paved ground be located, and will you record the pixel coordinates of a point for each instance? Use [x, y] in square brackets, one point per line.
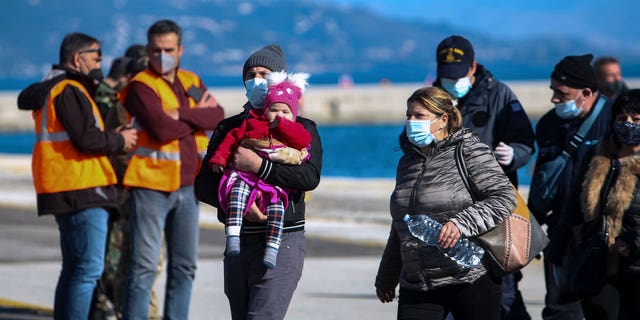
[346, 230]
[337, 282]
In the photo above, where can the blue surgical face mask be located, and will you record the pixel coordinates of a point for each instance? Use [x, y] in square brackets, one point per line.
[568, 110]
[419, 132]
[457, 88]
[627, 132]
[256, 91]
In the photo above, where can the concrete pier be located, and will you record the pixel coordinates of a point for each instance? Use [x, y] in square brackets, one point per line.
[325, 104]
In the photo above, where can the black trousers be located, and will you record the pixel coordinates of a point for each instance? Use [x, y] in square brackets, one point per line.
[480, 300]
[619, 299]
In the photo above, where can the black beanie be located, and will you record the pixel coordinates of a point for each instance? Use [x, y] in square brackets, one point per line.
[576, 72]
[270, 57]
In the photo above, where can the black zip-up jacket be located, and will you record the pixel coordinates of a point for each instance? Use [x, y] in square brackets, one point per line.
[494, 113]
[303, 177]
[553, 135]
[74, 111]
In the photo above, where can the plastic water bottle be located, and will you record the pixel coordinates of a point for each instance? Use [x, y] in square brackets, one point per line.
[464, 252]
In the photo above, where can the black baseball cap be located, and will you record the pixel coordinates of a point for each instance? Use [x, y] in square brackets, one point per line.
[455, 56]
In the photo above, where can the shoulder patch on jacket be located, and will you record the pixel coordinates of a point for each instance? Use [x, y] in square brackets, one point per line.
[516, 106]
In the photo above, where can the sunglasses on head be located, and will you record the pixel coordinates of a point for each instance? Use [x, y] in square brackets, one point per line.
[97, 50]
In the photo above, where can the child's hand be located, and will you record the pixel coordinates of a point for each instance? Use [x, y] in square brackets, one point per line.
[216, 167]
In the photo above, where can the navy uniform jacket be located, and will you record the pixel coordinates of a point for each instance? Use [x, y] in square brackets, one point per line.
[492, 111]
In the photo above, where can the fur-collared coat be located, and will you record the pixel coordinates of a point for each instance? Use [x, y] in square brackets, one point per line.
[622, 202]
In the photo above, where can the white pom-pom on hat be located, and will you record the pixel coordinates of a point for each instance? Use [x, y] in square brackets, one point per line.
[298, 79]
[286, 88]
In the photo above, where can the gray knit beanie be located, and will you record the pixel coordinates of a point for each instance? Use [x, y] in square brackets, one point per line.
[270, 57]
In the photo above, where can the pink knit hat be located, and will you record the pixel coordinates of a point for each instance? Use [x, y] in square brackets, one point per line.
[285, 88]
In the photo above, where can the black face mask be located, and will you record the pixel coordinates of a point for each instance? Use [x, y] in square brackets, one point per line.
[613, 87]
[627, 132]
[96, 74]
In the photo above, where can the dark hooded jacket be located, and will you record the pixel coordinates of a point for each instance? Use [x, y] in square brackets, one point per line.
[74, 111]
[492, 111]
[431, 184]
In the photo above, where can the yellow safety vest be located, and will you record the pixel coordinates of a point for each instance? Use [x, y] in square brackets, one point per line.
[155, 165]
[56, 165]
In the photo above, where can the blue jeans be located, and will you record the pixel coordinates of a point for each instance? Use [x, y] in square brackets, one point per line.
[83, 239]
[177, 214]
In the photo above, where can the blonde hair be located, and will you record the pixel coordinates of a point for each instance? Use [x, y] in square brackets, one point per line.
[438, 102]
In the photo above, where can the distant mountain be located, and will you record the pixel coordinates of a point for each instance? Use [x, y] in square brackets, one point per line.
[327, 40]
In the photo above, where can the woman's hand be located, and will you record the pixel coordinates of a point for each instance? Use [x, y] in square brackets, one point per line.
[386, 295]
[449, 235]
[621, 248]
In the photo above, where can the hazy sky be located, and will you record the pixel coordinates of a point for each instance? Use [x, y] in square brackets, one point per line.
[597, 20]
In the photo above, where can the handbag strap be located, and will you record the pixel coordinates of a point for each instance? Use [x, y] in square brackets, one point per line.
[462, 169]
[578, 138]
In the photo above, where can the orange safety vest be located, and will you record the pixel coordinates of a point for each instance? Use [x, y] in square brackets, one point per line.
[155, 165]
[56, 165]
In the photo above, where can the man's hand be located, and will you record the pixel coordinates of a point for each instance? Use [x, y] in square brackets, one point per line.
[130, 136]
[504, 153]
[246, 160]
[254, 214]
[173, 114]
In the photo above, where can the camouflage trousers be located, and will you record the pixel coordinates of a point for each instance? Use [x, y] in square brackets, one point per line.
[108, 298]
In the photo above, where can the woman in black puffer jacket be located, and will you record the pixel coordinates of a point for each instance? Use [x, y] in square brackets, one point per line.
[428, 182]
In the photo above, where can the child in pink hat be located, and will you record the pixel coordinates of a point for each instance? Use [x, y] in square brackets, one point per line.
[274, 134]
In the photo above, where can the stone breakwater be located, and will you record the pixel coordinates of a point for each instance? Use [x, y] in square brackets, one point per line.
[325, 104]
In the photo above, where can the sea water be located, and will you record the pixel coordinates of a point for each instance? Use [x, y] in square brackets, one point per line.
[356, 151]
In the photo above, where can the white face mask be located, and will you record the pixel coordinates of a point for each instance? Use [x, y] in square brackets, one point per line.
[457, 88]
[163, 63]
[569, 109]
[256, 91]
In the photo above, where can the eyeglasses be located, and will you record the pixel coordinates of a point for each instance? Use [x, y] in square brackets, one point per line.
[97, 50]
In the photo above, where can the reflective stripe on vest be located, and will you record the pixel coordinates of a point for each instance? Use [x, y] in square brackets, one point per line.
[60, 135]
[156, 165]
[57, 165]
[157, 155]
